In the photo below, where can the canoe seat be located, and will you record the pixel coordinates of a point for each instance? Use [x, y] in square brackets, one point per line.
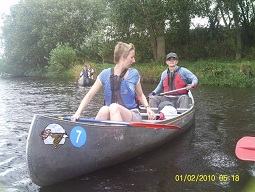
[155, 110]
[145, 116]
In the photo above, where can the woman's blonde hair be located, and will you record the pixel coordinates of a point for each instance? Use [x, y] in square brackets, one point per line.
[122, 49]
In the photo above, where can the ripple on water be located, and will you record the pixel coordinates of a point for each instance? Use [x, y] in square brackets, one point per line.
[218, 112]
[220, 160]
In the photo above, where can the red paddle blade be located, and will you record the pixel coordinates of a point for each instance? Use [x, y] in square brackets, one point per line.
[153, 125]
[245, 148]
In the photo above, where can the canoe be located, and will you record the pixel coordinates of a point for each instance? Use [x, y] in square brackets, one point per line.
[58, 150]
[85, 81]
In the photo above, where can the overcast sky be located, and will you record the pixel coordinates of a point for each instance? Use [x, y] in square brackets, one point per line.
[5, 5]
[5, 9]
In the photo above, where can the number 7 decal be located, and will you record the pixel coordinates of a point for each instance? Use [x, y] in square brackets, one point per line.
[78, 136]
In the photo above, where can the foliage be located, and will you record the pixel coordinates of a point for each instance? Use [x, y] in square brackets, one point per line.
[97, 47]
[36, 71]
[92, 27]
[150, 72]
[35, 27]
[61, 60]
[214, 73]
[224, 74]
[138, 17]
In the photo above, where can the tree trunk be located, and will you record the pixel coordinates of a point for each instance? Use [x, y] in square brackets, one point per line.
[238, 44]
[158, 42]
[154, 46]
[160, 49]
[238, 31]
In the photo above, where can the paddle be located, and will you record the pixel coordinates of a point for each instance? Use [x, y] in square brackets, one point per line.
[173, 91]
[245, 148]
[131, 124]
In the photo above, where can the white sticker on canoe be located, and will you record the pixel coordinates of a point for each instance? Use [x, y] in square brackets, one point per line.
[54, 134]
[78, 136]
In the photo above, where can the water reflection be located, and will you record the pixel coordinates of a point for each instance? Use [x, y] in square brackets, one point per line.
[222, 118]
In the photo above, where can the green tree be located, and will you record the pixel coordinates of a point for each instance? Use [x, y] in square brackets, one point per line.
[21, 40]
[153, 18]
[35, 27]
[61, 59]
[137, 17]
[237, 18]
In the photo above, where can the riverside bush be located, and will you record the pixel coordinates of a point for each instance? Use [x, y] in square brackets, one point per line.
[61, 60]
[224, 73]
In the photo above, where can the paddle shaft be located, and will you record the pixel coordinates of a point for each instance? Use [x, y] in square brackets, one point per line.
[132, 124]
[96, 121]
[172, 91]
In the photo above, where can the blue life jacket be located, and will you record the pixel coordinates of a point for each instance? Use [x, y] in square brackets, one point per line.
[85, 73]
[117, 91]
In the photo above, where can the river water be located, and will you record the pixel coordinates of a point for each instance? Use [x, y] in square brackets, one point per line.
[223, 116]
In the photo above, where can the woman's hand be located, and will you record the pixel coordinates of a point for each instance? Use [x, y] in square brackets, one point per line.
[151, 114]
[75, 117]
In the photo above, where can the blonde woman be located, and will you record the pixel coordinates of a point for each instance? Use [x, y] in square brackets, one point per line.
[121, 86]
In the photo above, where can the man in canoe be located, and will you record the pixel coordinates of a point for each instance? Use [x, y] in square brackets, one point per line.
[85, 74]
[177, 81]
[121, 86]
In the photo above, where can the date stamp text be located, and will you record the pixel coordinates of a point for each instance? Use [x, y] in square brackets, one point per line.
[206, 178]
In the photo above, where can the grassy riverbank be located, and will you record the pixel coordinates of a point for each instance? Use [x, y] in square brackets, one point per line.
[231, 74]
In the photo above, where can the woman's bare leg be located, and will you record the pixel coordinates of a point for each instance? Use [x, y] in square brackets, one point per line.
[119, 113]
[103, 113]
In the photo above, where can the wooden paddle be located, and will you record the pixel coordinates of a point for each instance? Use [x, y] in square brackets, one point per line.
[245, 148]
[131, 124]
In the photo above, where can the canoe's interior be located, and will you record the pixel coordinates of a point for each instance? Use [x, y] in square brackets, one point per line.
[180, 111]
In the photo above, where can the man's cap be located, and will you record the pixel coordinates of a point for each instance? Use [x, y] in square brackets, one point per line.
[174, 55]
